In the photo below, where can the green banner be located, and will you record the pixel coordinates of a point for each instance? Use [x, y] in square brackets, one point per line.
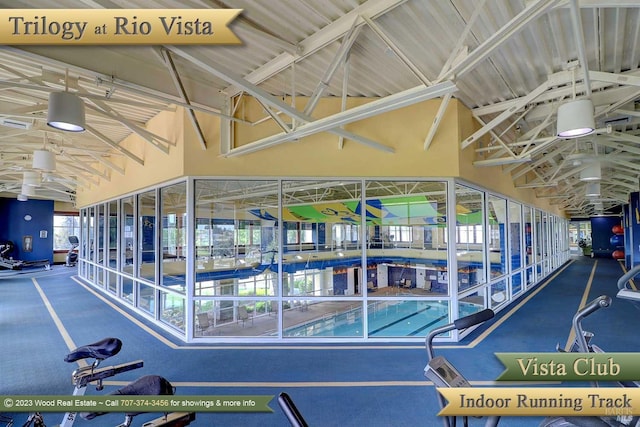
[123, 403]
[570, 366]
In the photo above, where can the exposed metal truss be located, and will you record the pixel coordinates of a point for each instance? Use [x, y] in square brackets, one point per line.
[512, 63]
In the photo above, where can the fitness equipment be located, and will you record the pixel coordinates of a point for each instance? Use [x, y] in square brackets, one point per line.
[7, 261]
[442, 373]
[72, 256]
[152, 385]
[626, 293]
[291, 411]
[83, 376]
[583, 344]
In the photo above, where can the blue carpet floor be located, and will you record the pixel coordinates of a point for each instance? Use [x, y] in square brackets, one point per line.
[361, 385]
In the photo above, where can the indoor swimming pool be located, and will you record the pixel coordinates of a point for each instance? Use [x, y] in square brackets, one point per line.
[384, 319]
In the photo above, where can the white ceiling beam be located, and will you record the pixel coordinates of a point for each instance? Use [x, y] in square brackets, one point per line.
[522, 102]
[459, 47]
[318, 40]
[194, 55]
[114, 145]
[502, 161]
[338, 59]
[578, 35]
[144, 134]
[182, 92]
[531, 12]
[389, 103]
[397, 50]
[344, 95]
[436, 121]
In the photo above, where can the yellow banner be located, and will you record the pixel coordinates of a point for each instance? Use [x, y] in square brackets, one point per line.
[544, 401]
[117, 26]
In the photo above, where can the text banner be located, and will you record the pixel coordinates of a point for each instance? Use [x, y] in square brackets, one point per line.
[570, 366]
[141, 403]
[545, 401]
[117, 26]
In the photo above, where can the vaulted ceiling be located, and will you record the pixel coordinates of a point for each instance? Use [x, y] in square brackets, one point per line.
[512, 62]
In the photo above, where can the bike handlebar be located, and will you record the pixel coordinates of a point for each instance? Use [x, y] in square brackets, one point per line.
[473, 319]
[602, 301]
[459, 324]
[622, 281]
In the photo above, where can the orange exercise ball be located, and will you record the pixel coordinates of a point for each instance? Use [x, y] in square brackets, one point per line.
[618, 254]
[617, 229]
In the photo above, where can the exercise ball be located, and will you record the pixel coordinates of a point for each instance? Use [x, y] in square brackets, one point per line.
[617, 229]
[617, 240]
[618, 254]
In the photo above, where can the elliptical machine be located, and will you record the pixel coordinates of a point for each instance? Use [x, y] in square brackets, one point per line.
[72, 256]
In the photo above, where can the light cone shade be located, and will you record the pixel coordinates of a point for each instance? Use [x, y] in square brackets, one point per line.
[66, 112]
[44, 160]
[593, 189]
[22, 198]
[575, 119]
[591, 173]
[28, 190]
[31, 179]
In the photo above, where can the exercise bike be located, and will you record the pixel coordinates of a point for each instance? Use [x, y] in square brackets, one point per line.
[442, 373]
[72, 256]
[583, 343]
[93, 373]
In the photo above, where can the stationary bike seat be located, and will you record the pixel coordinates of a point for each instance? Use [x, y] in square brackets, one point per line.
[150, 385]
[100, 350]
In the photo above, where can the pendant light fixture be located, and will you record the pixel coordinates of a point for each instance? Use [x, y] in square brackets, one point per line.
[44, 160]
[66, 110]
[593, 189]
[576, 117]
[592, 172]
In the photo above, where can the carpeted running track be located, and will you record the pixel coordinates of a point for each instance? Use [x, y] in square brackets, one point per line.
[377, 384]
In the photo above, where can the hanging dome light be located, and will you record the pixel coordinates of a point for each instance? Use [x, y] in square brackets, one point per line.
[593, 189]
[66, 112]
[592, 172]
[44, 160]
[28, 190]
[576, 119]
[31, 179]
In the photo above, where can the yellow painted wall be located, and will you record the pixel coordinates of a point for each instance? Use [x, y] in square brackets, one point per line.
[314, 156]
[319, 154]
[158, 166]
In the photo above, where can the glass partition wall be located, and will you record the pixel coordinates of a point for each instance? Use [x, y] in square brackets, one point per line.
[326, 260]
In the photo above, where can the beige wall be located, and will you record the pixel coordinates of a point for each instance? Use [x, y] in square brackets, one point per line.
[317, 155]
[158, 166]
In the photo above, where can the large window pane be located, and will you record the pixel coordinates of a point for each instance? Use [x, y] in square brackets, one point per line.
[236, 237]
[127, 235]
[147, 229]
[64, 225]
[469, 244]
[174, 236]
[497, 216]
[515, 234]
[406, 244]
[330, 262]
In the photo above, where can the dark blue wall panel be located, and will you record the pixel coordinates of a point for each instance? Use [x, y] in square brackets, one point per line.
[14, 227]
[601, 234]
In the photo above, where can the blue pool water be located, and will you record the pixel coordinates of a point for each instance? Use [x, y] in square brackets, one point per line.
[384, 318]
